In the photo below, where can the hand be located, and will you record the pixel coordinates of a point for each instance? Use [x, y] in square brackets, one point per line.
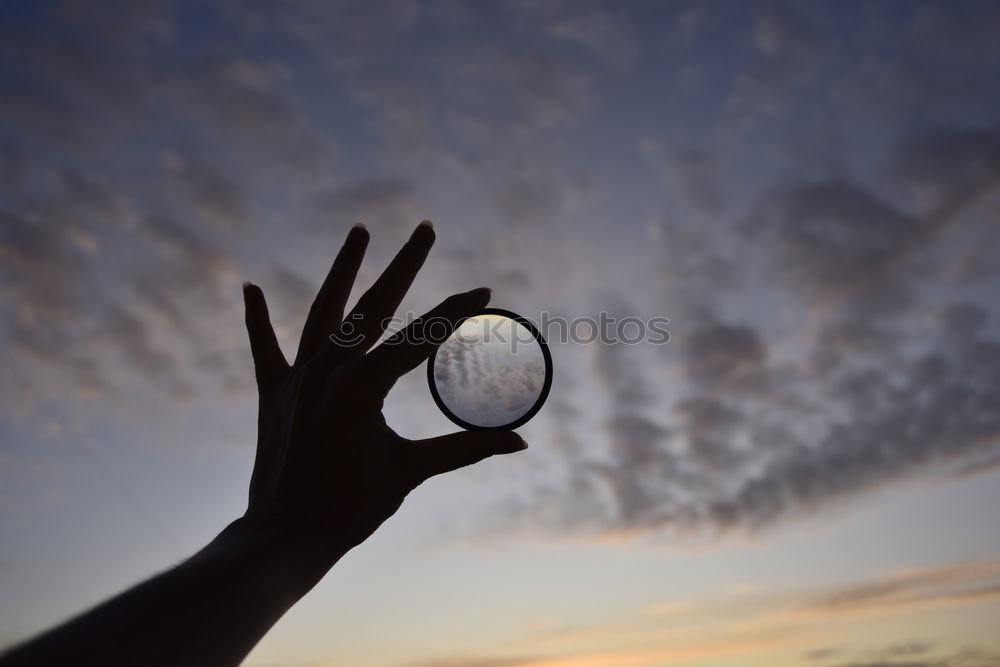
[328, 467]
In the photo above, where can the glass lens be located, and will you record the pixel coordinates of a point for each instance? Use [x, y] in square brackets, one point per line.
[493, 372]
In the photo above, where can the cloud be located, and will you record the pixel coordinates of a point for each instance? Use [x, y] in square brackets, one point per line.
[610, 39]
[537, 194]
[80, 195]
[487, 121]
[829, 237]
[957, 584]
[793, 53]
[693, 174]
[123, 22]
[215, 198]
[62, 315]
[833, 333]
[40, 113]
[491, 374]
[656, 652]
[913, 654]
[381, 203]
[12, 167]
[946, 168]
[723, 352]
[538, 91]
[402, 114]
[880, 377]
[348, 36]
[128, 337]
[113, 223]
[788, 621]
[77, 93]
[251, 104]
[822, 653]
[783, 33]
[952, 175]
[93, 78]
[477, 662]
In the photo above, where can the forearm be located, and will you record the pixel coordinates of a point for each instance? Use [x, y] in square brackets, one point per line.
[210, 610]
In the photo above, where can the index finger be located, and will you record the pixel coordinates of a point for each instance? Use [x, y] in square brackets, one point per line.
[407, 349]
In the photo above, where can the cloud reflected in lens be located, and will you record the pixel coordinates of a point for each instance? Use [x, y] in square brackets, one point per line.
[490, 373]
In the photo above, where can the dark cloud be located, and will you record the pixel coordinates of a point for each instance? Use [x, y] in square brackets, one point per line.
[40, 113]
[722, 352]
[449, 128]
[538, 194]
[82, 83]
[906, 649]
[693, 174]
[381, 203]
[608, 37]
[914, 654]
[831, 328]
[155, 235]
[830, 237]
[793, 53]
[822, 653]
[67, 308]
[80, 195]
[180, 244]
[348, 35]
[129, 337]
[880, 377]
[124, 23]
[535, 91]
[475, 662]
[250, 104]
[105, 80]
[954, 583]
[214, 196]
[288, 290]
[687, 250]
[12, 168]
[92, 76]
[963, 321]
[945, 169]
[780, 32]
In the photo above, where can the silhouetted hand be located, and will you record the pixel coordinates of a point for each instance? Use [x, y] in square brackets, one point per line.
[328, 472]
[328, 467]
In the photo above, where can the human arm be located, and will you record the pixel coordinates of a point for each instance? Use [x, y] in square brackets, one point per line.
[328, 471]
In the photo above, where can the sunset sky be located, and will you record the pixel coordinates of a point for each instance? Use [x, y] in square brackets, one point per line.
[807, 473]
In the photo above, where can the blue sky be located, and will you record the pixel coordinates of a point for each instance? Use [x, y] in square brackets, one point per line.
[809, 192]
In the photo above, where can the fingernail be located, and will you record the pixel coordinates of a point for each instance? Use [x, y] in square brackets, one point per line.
[426, 223]
[359, 225]
[482, 293]
[246, 285]
[523, 446]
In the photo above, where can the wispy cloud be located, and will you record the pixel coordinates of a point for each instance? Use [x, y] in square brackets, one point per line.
[868, 386]
[832, 330]
[762, 621]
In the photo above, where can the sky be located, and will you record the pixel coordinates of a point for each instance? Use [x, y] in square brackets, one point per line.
[806, 473]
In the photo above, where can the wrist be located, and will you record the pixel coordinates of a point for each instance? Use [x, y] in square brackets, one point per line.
[277, 550]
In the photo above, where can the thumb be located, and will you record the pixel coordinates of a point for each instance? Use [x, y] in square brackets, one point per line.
[445, 453]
